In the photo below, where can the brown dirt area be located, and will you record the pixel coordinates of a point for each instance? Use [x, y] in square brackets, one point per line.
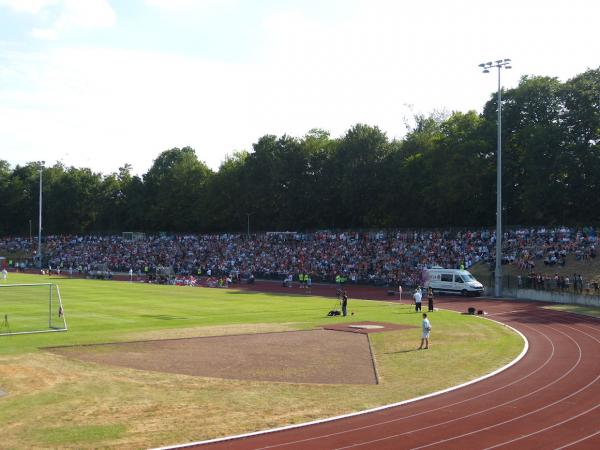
[314, 356]
[216, 330]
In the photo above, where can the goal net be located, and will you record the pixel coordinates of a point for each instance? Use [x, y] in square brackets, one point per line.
[31, 308]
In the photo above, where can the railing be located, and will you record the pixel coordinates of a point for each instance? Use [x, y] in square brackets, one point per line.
[549, 289]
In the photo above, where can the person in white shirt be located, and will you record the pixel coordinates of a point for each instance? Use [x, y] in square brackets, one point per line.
[417, 295]
[400, 291]
[426, 331]
[4, 274]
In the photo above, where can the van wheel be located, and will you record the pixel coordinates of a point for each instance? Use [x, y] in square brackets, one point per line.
[464, 293]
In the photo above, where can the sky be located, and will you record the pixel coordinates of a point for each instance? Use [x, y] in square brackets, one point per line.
[102, 83]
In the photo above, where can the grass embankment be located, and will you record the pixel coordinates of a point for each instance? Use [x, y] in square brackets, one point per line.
[589, 269]
[54, 402]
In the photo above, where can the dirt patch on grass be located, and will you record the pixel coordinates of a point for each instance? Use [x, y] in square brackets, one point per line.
[29, 373]
[315, 356]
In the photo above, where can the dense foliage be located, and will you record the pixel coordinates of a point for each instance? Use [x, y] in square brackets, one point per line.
[441, 174]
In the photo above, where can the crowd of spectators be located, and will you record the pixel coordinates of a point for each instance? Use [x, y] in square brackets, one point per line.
[379, 257]
[560, 283]
[526, 247]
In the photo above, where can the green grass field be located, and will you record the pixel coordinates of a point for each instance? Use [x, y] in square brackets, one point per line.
[55, 402]
[30, 309]
[577, 309]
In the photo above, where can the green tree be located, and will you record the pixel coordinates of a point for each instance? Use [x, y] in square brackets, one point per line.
[71, 199]
[175, 189]
[227, 201]
[359, 163]
[581, 122]
[532, 151]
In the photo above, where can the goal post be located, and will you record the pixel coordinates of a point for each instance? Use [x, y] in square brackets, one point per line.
[31, 308]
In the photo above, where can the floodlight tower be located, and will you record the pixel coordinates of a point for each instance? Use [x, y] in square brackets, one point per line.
[40, 221]
[499, 64]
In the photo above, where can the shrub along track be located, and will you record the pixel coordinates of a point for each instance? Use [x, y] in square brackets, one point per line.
[549, 399]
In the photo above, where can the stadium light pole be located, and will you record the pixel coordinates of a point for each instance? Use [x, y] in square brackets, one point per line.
[40, 221]
[499, 64]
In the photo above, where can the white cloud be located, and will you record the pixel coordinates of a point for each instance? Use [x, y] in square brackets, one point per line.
[189, 5]
[28, 6]
[104, 107]
[58, 16]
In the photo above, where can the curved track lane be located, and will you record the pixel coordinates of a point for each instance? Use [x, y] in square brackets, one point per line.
[549, 399]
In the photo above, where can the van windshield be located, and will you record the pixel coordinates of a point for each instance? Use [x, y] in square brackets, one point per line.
[467, 277]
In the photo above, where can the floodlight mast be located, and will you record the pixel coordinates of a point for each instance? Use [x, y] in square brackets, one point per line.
[40, 222]
[499, 64]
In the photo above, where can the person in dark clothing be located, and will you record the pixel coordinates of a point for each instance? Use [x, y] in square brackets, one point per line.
[344, 304]
[430, 299]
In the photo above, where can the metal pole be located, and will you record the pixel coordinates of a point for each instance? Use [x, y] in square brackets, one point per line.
[486, 66]
[248, 214]
[40, 226]
[498, 273]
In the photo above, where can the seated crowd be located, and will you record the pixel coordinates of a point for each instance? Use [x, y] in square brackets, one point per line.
[382, 257]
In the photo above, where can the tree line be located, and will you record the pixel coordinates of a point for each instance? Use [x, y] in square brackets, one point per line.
[441, 174]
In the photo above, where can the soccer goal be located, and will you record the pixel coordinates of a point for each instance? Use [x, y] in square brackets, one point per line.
[31, 308]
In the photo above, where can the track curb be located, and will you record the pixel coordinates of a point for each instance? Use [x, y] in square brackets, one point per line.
[371, 410]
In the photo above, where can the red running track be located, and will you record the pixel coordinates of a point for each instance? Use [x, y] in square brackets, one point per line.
[550, 399]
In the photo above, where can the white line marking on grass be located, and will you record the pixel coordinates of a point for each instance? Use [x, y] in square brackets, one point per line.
[466, 416]
[429, 411]
[367, 411]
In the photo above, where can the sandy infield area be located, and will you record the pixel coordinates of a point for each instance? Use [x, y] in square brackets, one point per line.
[313, 356]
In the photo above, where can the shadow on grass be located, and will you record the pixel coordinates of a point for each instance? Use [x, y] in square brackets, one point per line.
[412, 312]
[163, 317]
[244, 292]
[410, 350]
[272, 294]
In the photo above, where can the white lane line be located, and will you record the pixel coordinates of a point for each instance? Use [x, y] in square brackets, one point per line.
[508, 312]
[570, 444]
[559, 423]
[367, 411]
[522, 415]
[472, 414]
[429, 411]
[581, 315]
[545, 429]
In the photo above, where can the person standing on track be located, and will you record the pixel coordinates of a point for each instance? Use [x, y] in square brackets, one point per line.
[344, 304]
[418, 296]
[430, 299]
[426, 331]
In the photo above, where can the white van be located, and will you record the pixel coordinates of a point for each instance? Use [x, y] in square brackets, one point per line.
[453, 281]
